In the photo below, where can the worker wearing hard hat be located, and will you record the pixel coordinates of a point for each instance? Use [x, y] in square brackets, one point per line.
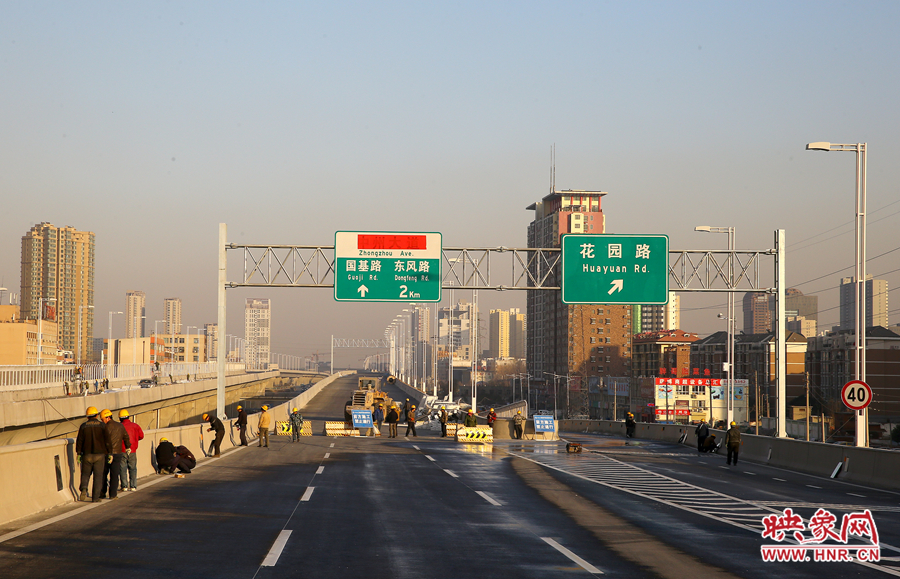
[377, 418]
[169, 457]
[91, 447]
[215, 447]
[471, 421]
[491, 417]
[392, 418]
[411, 420]
[733, 442]
[265, 423]
[242, 424]
[519, 424]
[119, 449]
[296, 424]
[630, 425]
[129, 465]
[443, 420]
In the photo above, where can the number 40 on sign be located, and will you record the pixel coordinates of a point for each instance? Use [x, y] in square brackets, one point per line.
[856, 394]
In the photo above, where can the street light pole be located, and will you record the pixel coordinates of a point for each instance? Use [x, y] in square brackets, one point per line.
[859, 356]
[109, 342]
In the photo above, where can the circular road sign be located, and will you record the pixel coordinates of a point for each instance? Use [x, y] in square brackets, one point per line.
[856, 394]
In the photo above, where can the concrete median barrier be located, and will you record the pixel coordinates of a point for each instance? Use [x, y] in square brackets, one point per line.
[36, 477]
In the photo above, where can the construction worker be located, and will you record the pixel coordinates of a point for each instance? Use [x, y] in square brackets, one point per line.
[629, 425]
[168, 458]
[378, 418]
[444, 419]
[119, 449]
[702, 431]
[392, 418]
[129, 465]
[215, 424]
[491, 417]
[242, 424]
[733, 442]
[265, 422]
[519, 425]
[296, 424]
[411, 420]
[471, 421]
[91, 447]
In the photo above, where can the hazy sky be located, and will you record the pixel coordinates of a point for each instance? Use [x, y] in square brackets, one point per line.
[150, 123]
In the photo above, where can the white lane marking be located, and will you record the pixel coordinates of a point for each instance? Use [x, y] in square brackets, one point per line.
[416, 447]
[331, 445]
[327, 454]
[320, 470]
[779, 479]
[451, 473]
[307, 494]
[429, 458]
[750, 473]
[581, 562]
[489, 499]
[700, 462]
[813, 487]
[277, 548]
[856, 495]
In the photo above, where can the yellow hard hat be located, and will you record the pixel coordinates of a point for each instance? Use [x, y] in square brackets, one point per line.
[294, 410]
[470, 411]
[164, 439]
[443, 408]
[123, 413]
[733, 423]
[91, 411]
[205, 416]
[240, 407]
[519, 412]
[413, 406]
[492, 409]
[106, 412]
[265, 407]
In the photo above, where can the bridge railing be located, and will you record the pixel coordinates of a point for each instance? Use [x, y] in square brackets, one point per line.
[33, 377]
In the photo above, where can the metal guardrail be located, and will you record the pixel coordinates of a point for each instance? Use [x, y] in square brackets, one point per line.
[13, 378]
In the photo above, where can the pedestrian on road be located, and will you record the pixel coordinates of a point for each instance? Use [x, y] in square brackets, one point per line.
[378, 417]
[92, 446]
[733, 442]
[296, 425]
[392, 418]
[242, 424]
[215, 424]
[630, 425]
[265, 422]
[491, 417]
[119, 449]
[471, 421]
[411, 420]
[519, 425]
[129, 465]
[702, 432]
[444, 419]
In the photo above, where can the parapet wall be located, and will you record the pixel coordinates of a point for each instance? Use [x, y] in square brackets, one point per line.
[866, 466]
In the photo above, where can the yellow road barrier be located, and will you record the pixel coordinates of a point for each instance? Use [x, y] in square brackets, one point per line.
[475, 434]
[340, 429]
[283, 428]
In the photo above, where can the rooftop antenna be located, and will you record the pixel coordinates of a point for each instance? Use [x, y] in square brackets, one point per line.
[553, 168]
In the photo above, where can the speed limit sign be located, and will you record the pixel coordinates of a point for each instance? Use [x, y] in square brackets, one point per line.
[856, 394]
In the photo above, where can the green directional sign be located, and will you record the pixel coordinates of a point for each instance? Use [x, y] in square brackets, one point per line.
[615, 269]
[387, 266]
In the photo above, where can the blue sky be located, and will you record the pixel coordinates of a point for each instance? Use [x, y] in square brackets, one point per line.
[150, 123]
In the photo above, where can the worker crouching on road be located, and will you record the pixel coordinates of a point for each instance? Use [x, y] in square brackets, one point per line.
[265, 422]
[242, 424]
[296, 425]
[471, 421]
[118, 440]
[91, 447]
[392, 418]
[519, 425]
[215, 424]
[169, 458]
[411, 420]
[129, 465]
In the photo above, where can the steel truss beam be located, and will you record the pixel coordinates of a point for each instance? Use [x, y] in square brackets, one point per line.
[361, 343]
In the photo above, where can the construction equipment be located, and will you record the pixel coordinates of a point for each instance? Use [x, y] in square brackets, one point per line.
[367, 396]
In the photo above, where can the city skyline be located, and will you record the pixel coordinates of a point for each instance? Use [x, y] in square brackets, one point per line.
[697, 116]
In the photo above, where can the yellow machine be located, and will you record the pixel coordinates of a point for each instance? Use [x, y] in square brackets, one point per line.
[367, 396]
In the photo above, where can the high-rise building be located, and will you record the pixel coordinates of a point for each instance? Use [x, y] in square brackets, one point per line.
[660, 317]
[506, 334]
[135, 318]
[797, 304]
[517, 334]
[58, 272]
[173, 315]
[257, 332]
[876, 291]
[757, 313]
[582, 342]
[212, 341]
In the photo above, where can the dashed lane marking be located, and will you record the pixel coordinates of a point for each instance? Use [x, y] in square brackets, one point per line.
[277, 548]
[327, 454]
[451, 473]
[489, 498]
[331, 445]
[779, 479]
[320, 470]
[307, 494]
[575, 558]
[429, 458]
[813, 487]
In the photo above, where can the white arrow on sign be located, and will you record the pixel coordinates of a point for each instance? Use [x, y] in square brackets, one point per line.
[362, 291]
[616, 286]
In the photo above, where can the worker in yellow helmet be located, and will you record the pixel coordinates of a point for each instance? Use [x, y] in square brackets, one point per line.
[444, 418]
[411, 420]
[392, 418]
[241, 424]
[119, 449]
[733, 443]
[265, 423]
[296, 424]
[129, 465]
[215, 447]
[91, 447]
[491, 417]
[519, 425]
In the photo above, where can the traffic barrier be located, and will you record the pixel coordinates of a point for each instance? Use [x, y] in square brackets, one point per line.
[451, 428]
[340, 429]
[283, 428]
[475, 434]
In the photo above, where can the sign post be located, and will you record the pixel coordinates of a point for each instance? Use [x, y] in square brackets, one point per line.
[857, 395]
[374, 266]
[615, 269]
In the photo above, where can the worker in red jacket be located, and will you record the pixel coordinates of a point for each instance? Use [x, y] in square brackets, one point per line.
[491, 417]
[128, 478]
